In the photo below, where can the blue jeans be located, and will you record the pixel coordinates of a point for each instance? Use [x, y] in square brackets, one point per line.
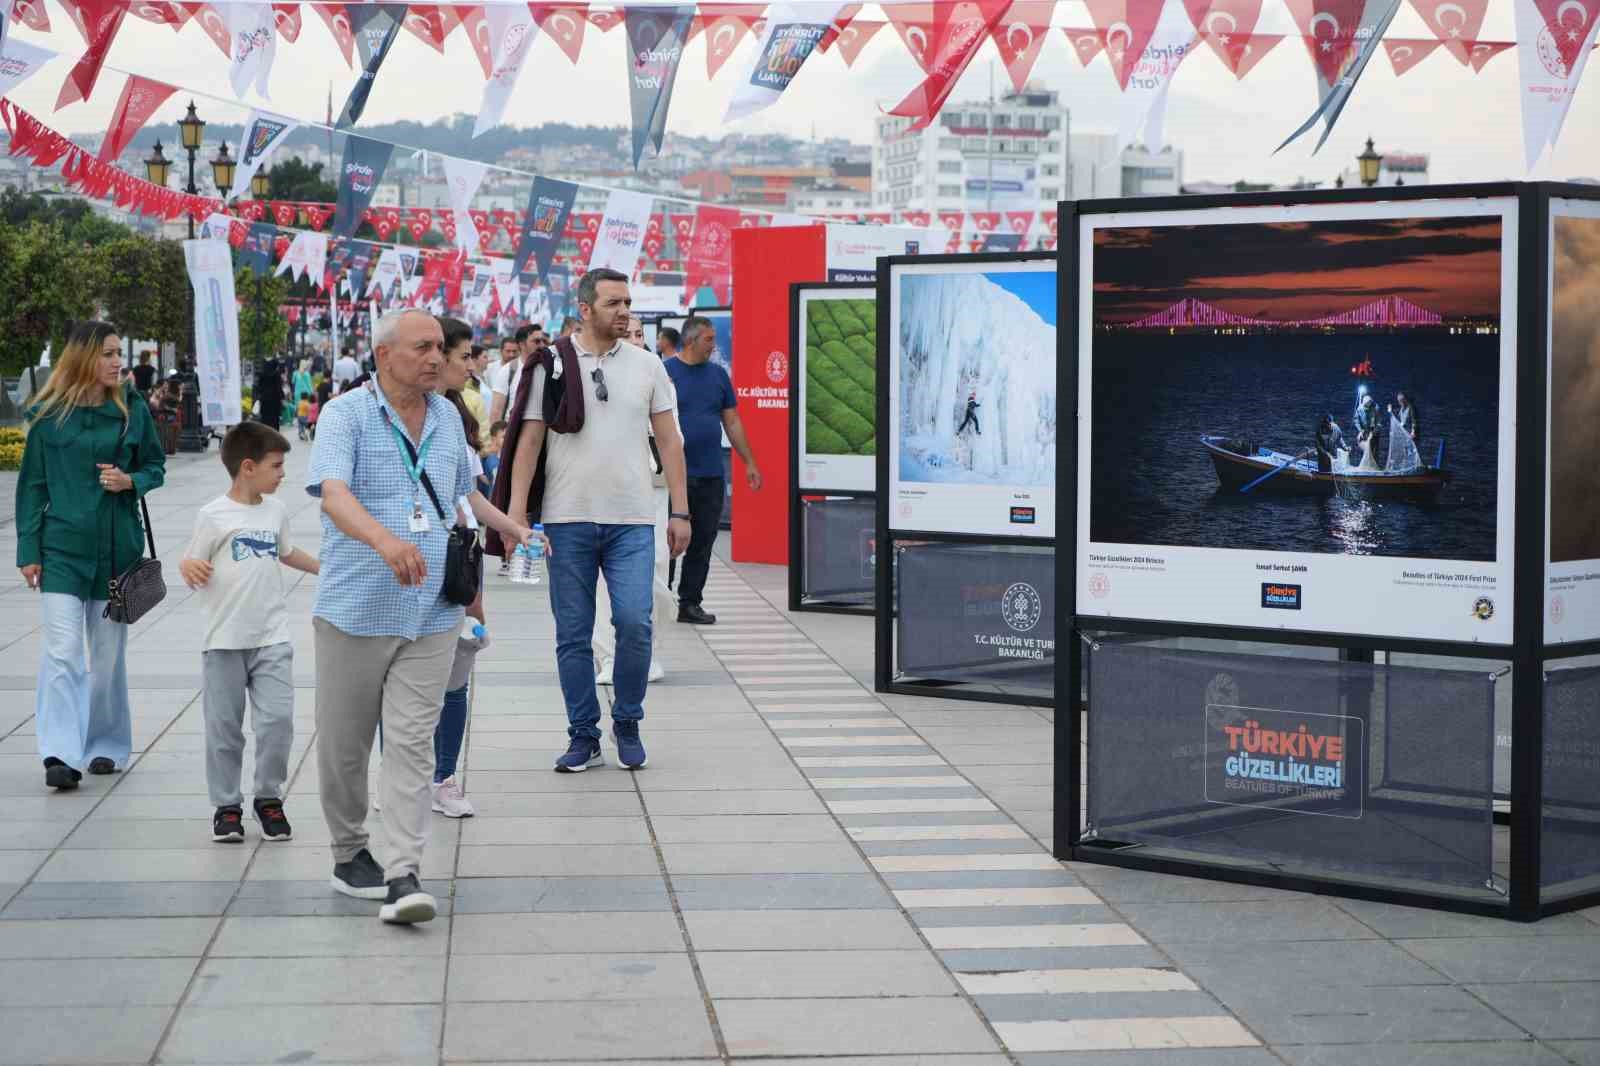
[81, 708]
[579, 551]
[449, 733]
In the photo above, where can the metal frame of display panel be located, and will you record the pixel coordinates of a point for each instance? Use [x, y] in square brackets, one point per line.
[884, 576]
[1527, 652]
[797, 543]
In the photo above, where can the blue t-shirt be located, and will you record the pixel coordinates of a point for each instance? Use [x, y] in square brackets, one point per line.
[704, 392]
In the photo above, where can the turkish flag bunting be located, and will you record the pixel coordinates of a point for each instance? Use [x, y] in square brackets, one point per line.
[139, 100]
[426, 22]
[724, 30]
[654, 226]
[878, 218]
[31, 13]
[1085, 43]
[915, 218]
[480, 219]
[1125, 28]
[854, 37]
[1480, 52]
[254, 210]
[284, 214]
[710, 258]
[959, 30]
[287, 18]
[653, 245]
[337, 19]
[1407, 53]
[417, 230]
[1569, 35]
[1228, 26]
[952, 220]
[1019, 221]
[1048, 244]
[447, 226]
[563, 23]
[846, 15]
[682, 228]
[317, 215]
[914, 24]
[212, 22]
[279, 248]
[477, 27]
[160, 12]
[1020, 35]
[238, 233]
[985, 221]
[1455, 22]
[605, 21]
[423, 217]
[99, 21]
[1330, 50]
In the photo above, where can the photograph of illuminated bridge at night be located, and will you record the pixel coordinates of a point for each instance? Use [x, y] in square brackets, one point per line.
[1323, 387]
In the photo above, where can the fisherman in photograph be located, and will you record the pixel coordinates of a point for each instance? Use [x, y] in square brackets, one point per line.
[1405, 414]
[1330, 442]
[1366, 429]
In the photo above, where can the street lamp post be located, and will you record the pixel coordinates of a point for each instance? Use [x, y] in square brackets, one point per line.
[1370, 162]
[190, 127]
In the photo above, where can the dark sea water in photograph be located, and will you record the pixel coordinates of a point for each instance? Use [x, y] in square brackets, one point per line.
[1155, 395]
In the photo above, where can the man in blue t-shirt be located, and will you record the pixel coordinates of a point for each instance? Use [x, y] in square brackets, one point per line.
[706, 408]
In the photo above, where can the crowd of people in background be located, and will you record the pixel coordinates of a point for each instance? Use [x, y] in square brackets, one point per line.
[613, 448]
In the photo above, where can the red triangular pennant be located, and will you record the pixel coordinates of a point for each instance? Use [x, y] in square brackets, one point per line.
[1569, 33]
[959, 31]
[99, 20]
[854, 37]
[1480, 52]
[1020, 35]
[1086, 44]
[139, 100]
[337, 19]
[1329, 28]
[287, 18]
[563, 23]
[1405, 53]
[1455, 22]
[426, 23]
[914, 24]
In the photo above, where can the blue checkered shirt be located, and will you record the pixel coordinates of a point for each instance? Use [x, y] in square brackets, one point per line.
[356, 591]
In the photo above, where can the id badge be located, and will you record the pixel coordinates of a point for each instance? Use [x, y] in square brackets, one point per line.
[419, 520]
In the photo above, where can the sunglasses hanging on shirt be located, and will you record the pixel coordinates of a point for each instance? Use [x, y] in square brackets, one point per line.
[598, 376]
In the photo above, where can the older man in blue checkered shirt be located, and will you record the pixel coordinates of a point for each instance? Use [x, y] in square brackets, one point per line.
[385, 636]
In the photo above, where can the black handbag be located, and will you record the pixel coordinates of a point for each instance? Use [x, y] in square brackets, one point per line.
[134, 591]
[463, 557]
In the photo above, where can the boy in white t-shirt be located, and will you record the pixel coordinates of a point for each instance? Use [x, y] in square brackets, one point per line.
[240, 542]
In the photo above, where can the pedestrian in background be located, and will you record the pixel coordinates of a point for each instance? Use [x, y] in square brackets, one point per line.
[92, 453]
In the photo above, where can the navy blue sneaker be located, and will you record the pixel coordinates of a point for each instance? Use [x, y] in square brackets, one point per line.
[582, 753]
[630, 749]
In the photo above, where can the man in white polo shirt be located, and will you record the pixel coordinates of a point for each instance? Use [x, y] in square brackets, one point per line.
[599, 511]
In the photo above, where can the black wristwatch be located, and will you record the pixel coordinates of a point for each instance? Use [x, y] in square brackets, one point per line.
[679, 514]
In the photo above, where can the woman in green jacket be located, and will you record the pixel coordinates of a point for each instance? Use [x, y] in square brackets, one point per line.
[92, 452]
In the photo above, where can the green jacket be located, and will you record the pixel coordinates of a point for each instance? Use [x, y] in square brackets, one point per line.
[64, 518]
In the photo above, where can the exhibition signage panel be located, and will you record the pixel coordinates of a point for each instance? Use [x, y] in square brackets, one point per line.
[1272, 760]
[977, 613]
[837, 359]
[840, 549]
[1572, 518]
[1300, 417]
[971, 383]
[853, 251]
[1571, 810]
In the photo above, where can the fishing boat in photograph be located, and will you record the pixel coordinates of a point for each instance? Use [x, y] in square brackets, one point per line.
[1249, 469]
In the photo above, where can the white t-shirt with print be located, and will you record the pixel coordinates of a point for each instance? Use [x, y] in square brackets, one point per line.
[591, 476]
[245, 598]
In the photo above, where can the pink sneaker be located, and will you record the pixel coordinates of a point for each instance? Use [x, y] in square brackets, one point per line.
[450, 801]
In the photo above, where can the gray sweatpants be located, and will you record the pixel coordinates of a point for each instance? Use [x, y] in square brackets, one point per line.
[361, 680]
[267, 675]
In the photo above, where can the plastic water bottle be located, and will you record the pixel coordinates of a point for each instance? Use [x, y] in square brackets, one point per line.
[473, 631]
[527, 563]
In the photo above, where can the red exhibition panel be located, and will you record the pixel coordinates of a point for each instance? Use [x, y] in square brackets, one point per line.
[765, 262]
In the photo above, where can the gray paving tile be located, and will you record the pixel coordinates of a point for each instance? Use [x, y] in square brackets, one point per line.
[302, 1033]
[106, 938]
[749, 892]
[1499, 1053]
[788, 858]
[1238, 1056]
[673, 1028]
[1009, 846]
[480, 895]
[1312, 1014]
[1005, 960]
[745, 829]
[740, 801]
[755, 1027]
[189, 864]
[102, 983]
[1039, 1008]
[937, 917]
[119, 899]
[546, 860]
[833, 974]
[33, 834]
[1579, 1052]
[588, 977]
[1273, 921]
[538, 934]
[1563, 1010]
[289, 899]
[1137, 886]
[927, 818]
[530, 831]
[36, 1036]
[982, 878]
[796, 930]
[229, 982]
[1398, 923]
[1507, 959]
[1237, 967]
[555, 805]
[326, 937]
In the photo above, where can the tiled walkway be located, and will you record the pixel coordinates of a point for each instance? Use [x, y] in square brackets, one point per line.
[805, 870]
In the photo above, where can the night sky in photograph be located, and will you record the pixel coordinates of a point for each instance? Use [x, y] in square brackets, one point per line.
[1289, 271]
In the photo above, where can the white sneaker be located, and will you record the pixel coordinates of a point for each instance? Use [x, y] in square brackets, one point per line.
[450, 801]
[657, 671]
[603, 677]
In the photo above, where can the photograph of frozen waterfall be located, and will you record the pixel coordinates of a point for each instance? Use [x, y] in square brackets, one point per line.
[974, 406]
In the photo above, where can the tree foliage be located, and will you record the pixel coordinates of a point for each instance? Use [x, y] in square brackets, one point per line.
[263, 330]
[293, 179]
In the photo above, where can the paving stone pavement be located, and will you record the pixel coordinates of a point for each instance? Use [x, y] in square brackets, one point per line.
[806, 870]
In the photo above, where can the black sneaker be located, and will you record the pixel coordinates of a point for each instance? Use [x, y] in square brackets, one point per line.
[406, 903]
[227, 825]
[696, 615]
[581, 754]
[59, 776]
[101, 766]
[361, 877]
[630, 749]
[274, 826]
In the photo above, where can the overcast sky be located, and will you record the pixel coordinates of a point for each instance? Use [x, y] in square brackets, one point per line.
[1469, 124]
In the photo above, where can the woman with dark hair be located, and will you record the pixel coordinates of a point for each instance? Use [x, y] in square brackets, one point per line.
[92, 452]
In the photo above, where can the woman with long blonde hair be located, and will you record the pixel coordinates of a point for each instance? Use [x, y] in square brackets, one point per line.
[92, 452]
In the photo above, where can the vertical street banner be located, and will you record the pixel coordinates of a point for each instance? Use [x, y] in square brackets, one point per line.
[360, 172]
[1554, 38]
[307, 257]
[1342, 36]
[463, 177]
[792, 35]
[263, 132]
[375, 27]
[511, 32]
[549, 204]
[385, 274]
[256, 253]
[656, 36]
[253, 29]
[622, 229]
[710, 258]
[216, 330]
